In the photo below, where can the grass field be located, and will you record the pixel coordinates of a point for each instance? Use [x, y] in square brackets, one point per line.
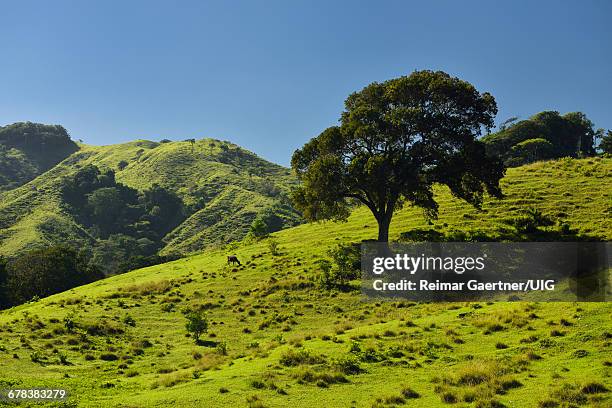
[276, 339]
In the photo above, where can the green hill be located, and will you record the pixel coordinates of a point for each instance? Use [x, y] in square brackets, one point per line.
[29, 149]
[222, 186]
[276, 339]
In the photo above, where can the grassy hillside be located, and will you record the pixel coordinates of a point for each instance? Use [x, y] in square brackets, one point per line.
[223, 186]
[276, 339]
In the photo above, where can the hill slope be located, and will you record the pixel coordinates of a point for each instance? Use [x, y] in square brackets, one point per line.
[223, 186]
[29, 149]
[276, 339]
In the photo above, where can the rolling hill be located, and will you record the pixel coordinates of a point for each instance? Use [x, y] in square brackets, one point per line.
[277, 339]
[222, 186]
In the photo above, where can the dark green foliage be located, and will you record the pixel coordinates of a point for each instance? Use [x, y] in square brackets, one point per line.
[140, 261]
[272, 219]
[396, 140]
[44, 272]
[545, 135]
[408, 392]
[129, 320]
[605, 144]
[162, 209]
[293, 357]
[346, 266]
[197, 324]
[273, 246]
[4, 300]
[129, 224]
[531, 150]
[28, 149]
[258, 228]
[531, 221]
[45, 145]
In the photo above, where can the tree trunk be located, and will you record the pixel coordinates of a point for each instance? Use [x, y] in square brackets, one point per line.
[383, 229]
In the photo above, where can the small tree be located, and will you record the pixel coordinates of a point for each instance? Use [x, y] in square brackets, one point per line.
[258, 228]
[273, 246]
[395, 141]
[197, 324]
[192, 142]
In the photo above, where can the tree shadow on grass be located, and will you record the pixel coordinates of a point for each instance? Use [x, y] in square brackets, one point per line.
[207, 343]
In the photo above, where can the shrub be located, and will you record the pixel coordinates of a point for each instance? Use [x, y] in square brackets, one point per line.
[170, 380]
[594, 388]
[501, 346]
[348, 364]
[129, 320]
[273, 246]
[531, 221]
[222, 348]
[197, 324]
[69, 324]
[408, 392]
[294, 358]
[108, 357]
[345, 266]
[449, 397]
[63, 359]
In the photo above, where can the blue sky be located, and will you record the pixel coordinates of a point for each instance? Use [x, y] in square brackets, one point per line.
[269, 75]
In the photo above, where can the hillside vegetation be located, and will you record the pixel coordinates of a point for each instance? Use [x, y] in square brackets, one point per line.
[222, 186]
[543, 136]
[29, 149]
[276, 338]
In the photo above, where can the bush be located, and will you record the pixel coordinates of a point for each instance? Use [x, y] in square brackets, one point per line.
[273, 246]
[129, 320]
[594, 388]
[348, 364]
[531, 221]
[346, 266]
[108, 357]
[409, 393]
[222, 348]
[293, 358]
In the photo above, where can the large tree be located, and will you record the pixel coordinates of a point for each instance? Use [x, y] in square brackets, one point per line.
[397, 139]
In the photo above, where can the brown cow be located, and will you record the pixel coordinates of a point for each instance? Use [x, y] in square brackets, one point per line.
[233, 259]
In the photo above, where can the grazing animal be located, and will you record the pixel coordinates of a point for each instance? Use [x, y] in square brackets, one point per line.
[232, 259]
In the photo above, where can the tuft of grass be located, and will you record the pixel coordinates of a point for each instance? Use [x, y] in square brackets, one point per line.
[170, 380]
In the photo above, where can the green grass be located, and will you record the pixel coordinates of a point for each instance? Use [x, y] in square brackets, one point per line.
[275, 339]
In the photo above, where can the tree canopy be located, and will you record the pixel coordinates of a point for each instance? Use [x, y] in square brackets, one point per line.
[127, 222]
[605, 144]
[44, 272]
[569, 135]
[396, 139]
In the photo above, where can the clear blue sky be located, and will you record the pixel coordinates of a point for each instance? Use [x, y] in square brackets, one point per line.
[269, 75]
